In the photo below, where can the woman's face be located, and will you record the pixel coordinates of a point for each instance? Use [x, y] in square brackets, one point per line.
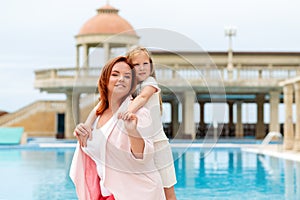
[119, 83]
[142, 66]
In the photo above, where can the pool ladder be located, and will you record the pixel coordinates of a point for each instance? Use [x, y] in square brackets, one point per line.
[270, 136]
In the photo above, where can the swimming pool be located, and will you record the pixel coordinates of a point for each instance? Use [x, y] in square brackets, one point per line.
[229, 173]
[223, 173]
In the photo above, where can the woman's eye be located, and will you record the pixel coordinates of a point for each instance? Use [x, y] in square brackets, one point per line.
[127, 77]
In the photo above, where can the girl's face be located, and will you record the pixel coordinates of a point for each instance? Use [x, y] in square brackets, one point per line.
[142, 66]
[119, 83]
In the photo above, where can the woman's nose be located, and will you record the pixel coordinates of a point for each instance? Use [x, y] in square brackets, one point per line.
[121, 78]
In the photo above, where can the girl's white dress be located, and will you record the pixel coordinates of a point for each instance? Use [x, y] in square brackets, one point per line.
[162, 150]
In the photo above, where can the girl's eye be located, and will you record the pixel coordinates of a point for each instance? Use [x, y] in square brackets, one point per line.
[114, 74]
[127, 77]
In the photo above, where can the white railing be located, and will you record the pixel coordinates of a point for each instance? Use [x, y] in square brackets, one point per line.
[188, 73]
[67, 73]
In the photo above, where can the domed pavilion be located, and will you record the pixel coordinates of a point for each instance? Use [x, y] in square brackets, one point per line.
[105, 30]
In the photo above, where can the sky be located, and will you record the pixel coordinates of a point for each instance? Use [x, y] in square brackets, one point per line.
[40, 34]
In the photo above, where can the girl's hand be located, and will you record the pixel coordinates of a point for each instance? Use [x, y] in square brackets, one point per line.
[125, 115]
[82, 133]
[130, 122]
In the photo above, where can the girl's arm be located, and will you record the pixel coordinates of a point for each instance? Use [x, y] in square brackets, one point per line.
[141, 99]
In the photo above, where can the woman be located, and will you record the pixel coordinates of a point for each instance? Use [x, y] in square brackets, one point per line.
[118, 163]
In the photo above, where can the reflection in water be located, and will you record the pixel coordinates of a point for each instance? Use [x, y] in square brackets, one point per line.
[260, 171]
[236, 175]
[239, 163]
[297, 182]
[230, 162]
[289, 180]
[202, 165]
[275, 168]
[55, 176]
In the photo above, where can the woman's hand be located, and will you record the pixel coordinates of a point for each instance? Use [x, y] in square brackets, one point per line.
[137, 143]
[125, 115]
[82, 133]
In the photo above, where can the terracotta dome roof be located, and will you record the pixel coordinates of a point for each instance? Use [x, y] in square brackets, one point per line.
[107, 21]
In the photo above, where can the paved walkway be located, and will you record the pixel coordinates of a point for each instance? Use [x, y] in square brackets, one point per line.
[275, 150]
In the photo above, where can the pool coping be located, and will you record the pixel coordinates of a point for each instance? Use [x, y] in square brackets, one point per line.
[250, 146]
[274, 151]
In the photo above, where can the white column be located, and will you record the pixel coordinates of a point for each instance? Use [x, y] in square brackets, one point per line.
[77, 56]
[188, 114]
[288, 141]
[69, 120]
[239, 129]
[85, 56]
[106, 49]
[297, 132]
[75, 107]
[77, 61]
[274, 108]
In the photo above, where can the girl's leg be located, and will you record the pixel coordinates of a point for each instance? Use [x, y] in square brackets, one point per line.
[170, 193]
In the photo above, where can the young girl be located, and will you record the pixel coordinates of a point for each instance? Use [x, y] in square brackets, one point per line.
[148, 95]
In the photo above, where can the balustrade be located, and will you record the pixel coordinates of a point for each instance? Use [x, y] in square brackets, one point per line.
[188, 73]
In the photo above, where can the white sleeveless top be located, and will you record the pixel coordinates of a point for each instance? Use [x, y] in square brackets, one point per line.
[94, 151]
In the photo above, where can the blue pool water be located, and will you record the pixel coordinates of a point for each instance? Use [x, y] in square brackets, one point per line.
[223, 173]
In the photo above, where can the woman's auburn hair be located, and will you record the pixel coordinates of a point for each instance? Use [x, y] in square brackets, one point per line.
[104, 79]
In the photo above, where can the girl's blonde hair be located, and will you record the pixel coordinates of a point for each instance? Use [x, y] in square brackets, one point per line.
[136, 51]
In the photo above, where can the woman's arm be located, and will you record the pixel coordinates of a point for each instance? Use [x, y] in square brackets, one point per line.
[137, 143]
